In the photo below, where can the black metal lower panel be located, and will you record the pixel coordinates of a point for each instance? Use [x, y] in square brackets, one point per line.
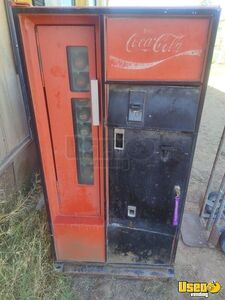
[138, 245]
[142, 178]
[119, 270]
[145, 172]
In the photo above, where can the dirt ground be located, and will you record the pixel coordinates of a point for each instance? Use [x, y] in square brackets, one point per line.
[191, 263]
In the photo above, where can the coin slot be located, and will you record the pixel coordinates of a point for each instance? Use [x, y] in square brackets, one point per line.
[135, 113]
[119, 139]
[131, 211]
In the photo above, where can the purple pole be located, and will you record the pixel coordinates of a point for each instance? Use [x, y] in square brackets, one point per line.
[175, 214]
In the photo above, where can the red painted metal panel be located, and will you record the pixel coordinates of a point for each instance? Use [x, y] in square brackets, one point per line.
[79, 241]
[75, 199]
[77, 210]
[156, 48]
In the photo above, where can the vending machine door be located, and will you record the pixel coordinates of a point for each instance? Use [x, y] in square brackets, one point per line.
[63, 51]
[68, 60]
[68, 96]
[150, 145]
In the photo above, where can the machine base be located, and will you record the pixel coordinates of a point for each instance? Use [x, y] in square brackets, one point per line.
[118, 270]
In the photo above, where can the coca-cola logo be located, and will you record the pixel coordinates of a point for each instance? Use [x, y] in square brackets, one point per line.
[147, 42]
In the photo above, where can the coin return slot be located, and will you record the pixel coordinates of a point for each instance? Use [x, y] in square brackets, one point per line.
[135, 113]
[136, 106]
[119, 139]
[131, 211]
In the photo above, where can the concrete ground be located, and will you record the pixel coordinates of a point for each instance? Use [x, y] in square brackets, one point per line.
[191, 263]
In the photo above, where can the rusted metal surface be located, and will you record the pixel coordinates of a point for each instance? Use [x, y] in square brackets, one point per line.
[122, 270]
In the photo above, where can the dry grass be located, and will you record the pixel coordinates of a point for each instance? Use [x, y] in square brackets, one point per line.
[26, 266]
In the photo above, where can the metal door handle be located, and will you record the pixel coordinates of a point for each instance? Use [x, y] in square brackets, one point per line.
[95, 102]
[177, 204]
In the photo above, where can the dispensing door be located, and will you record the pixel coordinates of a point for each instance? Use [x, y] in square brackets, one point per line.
[68, 94]
[68, 62]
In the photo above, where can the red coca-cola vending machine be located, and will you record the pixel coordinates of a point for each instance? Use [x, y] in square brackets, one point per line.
[116, 96]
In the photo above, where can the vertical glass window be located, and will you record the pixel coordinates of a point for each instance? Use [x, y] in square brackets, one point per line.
[78, 68]
[81, 110]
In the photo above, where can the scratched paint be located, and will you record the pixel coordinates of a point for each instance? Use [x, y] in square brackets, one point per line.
[120, 63]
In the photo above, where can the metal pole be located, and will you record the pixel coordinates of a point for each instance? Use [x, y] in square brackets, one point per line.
[220, 212]
[216, 204]
[212, 172]
[216, 229]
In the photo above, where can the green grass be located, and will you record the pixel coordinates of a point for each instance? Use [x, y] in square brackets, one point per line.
[26, 265]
